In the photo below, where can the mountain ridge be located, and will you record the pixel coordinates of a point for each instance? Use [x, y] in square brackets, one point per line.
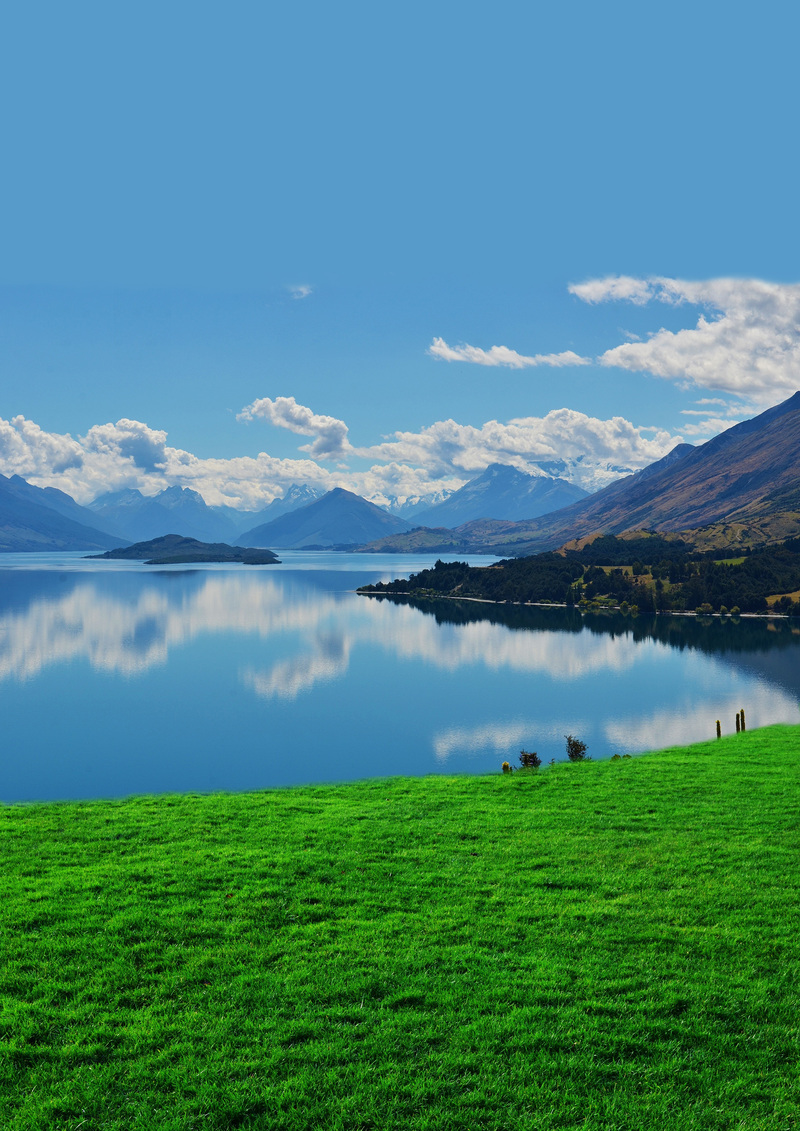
[504, 492]
[339, 518]
[720, 481]
[748, 474]
[44, 518]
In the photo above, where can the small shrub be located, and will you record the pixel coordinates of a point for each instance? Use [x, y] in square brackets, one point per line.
[506, 767]
[576, 750]
[735, 611]
[530, 759]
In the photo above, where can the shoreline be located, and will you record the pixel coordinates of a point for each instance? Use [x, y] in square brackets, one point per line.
[363, 592]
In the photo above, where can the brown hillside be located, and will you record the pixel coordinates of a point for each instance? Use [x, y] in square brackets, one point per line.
[751, 471]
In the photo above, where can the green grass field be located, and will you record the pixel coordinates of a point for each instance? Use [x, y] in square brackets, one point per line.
[601, 945]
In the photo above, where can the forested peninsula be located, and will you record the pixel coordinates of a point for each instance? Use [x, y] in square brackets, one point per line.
[647, 573]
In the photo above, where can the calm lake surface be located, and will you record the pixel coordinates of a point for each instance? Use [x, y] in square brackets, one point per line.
[119, 678]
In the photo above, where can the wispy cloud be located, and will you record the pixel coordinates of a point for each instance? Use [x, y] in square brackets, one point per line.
[747, 343]
[300, 290]
[501, 355]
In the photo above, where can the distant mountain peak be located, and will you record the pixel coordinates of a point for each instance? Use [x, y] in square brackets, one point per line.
[339, 518]
[143, 517]
[502, 491]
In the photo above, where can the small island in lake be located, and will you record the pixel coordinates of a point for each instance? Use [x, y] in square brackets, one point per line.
[174, 549]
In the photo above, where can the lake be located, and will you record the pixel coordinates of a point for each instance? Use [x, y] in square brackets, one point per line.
[118, 678]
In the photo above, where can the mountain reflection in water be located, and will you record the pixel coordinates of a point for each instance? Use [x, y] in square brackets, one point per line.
[134, 681]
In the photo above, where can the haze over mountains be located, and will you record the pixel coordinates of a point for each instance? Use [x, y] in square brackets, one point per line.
[136, 517]
[43, 518]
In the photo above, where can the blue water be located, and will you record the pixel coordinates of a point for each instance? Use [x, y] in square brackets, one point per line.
[117, 678]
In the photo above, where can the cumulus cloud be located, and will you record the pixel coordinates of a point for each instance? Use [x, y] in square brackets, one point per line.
[27, 450]
[563, 434]
[406, 466]
[129, 440]
[331, 434]
[746, 341]
[111, 457]
[501, 355]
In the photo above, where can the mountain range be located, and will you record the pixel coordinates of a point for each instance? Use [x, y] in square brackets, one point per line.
[296, 496]
[741, 487]
[136, 517]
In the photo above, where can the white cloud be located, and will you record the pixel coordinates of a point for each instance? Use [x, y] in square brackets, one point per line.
[501, 355]
[27, 450]
[406, 465]
[331, 434]
[619, 288]
[144, 447]
[746, 344]
[300, 290]
[710, 426]
[130, 454]
[564, 433]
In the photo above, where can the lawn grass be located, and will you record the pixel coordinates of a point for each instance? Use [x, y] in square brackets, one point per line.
[602, 945]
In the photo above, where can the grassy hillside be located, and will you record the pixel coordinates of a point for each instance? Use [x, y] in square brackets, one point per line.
[599, 945]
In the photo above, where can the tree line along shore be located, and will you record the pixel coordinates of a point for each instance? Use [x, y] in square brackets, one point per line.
[648, 573]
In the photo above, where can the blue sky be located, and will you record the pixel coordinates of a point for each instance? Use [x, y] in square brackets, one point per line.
[232, 233]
